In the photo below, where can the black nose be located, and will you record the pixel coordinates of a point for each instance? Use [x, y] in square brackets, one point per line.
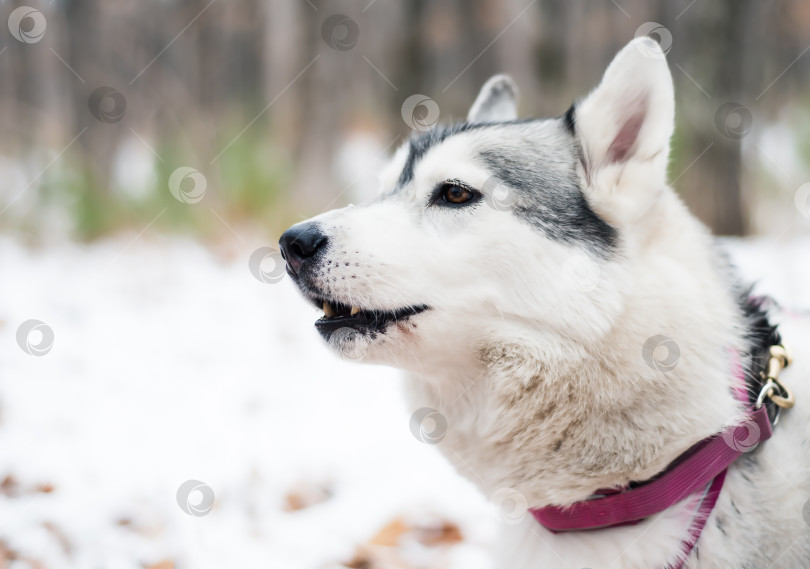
[300, 243]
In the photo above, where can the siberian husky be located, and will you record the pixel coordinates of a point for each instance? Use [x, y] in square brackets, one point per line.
[571, 328]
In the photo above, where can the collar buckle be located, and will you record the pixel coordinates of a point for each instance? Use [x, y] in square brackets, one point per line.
[774, 389]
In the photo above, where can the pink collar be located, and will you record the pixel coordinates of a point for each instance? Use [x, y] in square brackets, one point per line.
[698, 472]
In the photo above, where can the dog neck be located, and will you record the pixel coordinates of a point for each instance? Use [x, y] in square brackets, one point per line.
[556, 419]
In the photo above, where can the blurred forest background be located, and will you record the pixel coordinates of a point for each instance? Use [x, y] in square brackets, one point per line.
[281, 109]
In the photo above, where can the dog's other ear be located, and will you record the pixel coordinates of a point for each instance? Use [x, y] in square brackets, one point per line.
[496, 102]
[630, 115]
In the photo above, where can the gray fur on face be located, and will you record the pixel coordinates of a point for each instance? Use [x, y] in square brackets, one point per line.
[537, 161]
[420, 144]
[539, 164]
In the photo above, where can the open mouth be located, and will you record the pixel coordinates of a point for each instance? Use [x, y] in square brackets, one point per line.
[367, 321]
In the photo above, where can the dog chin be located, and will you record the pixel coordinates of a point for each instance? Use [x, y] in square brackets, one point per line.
[352, 330]
[349, 343]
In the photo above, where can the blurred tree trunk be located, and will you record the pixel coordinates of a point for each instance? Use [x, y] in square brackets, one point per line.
[709, 170]
[85, 20]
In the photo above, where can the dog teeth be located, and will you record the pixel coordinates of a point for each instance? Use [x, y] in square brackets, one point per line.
[330, 311]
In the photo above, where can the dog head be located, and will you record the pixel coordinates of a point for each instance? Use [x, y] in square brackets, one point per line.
[496, 226]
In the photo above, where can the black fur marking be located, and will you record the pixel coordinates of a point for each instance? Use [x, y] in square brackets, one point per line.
[736, 509]
[720, 523]
[569, 121]
[420, 143]
[552, 201]
[761, 336]
[544, 177]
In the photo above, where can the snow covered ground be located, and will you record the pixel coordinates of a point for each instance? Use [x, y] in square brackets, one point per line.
[170, 364]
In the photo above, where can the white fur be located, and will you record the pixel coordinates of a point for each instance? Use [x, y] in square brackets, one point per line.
[539, 371]
[497, 101]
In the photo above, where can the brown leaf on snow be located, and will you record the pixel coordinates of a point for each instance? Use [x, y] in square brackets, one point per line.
[430, 533]
[359, 562]
[60, 536]
[10, 487]
[305, 495]
[438, 533]
[377, 557]
[393, 546]
[390, 535]
[6, 555]
[165, 564]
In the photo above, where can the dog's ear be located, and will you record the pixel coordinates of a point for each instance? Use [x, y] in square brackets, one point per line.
[496, 102]
[630, 115]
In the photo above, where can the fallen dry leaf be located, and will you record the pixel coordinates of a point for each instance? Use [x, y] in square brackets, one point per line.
[6, 556]
[9, 486]
[60, 536]
[393, 546]
[439, 533]
[305, 495]
[390, 535]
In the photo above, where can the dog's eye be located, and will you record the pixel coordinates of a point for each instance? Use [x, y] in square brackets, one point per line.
[455, 194]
